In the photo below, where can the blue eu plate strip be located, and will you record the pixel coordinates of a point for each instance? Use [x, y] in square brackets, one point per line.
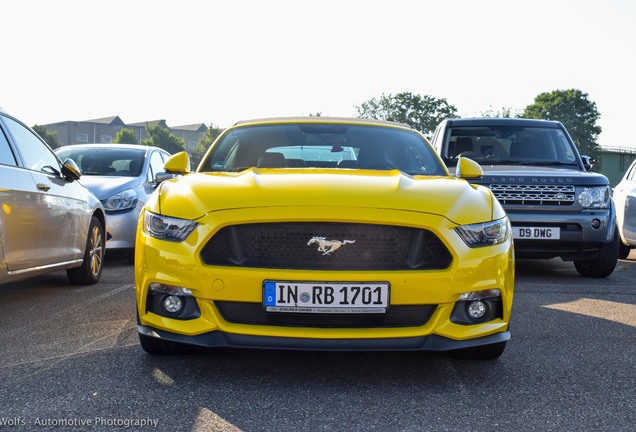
[270, 294]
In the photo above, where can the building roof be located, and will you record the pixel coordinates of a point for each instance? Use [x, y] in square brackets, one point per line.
[150, 123]
[114, 120]
[198, 127]
[618, 149]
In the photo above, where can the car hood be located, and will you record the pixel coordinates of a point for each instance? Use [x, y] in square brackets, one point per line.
[196, 194]
[104, 187]
[528, 174]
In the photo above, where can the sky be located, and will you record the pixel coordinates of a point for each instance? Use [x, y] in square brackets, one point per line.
[217, 62]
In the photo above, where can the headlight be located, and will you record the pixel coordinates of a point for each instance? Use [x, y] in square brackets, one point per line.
[596, 197]
[485, 233]
[167, 228]
[122, 201]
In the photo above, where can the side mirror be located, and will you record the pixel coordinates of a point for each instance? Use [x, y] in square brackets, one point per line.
[588, 162]
[70, 170]
[176, 165]
[468, 169]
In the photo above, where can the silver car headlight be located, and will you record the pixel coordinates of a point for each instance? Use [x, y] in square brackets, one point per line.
[122, 201]
[596, 197]
[167, 228]
[485, 233]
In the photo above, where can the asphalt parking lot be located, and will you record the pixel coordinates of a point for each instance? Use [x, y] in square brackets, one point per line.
[70, 360]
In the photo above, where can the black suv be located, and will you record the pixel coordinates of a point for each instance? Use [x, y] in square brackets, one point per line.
[556, 206]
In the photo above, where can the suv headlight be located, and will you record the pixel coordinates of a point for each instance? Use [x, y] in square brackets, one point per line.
[596, 197]
[167, 228]
[122, 201]
[485, 233]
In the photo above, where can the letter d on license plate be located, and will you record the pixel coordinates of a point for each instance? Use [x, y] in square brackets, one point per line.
[325, 297]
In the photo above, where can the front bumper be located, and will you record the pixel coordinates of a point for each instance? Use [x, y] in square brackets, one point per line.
[419, 343]
[122, 229]
[582, 234]
[179, 264]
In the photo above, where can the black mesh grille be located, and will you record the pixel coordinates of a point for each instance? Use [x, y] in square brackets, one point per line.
[395, 316]
[362, 247]
[559, 195]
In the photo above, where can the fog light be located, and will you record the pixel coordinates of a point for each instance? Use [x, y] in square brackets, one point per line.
[173, 304]
[477, 309]
[596, 224]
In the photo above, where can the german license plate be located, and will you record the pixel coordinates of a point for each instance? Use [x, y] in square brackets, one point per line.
[325, 297]
[536, 233]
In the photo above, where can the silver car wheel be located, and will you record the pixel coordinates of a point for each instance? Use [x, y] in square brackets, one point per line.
[96, 251]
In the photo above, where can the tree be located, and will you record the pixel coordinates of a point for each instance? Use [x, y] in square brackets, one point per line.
[49, 137]
[210, 135]
[126, 136]
[422, 113]
[577, 113]
[163, 138]
[502, 113]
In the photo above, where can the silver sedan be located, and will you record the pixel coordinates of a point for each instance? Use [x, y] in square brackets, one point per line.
[121, 176]
[48, 220]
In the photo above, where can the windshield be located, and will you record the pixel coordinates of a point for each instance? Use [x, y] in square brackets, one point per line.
[338, 146]
[105, 161]
[509, 145]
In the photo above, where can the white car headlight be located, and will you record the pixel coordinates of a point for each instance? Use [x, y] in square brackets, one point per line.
[485, 233]
[167, 228]
[122, 201]
[596, 197]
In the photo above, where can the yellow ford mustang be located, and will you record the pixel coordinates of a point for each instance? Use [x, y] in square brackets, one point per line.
[323, 234]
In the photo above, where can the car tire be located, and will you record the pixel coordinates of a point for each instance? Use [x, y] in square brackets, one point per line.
[623, 250]
[482, 352]
[604, 264]
[90, 271]
[156, 346]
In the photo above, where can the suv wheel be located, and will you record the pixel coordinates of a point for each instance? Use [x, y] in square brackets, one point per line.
[604, 264]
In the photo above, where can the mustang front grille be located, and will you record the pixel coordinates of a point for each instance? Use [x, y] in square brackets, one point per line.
[395, 316]
[326, 246]
[534, 194]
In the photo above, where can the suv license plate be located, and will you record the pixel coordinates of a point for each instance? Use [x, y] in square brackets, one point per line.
[325, 297]
[536, 233]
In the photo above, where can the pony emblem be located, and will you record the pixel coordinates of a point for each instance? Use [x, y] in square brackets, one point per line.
[327, 246]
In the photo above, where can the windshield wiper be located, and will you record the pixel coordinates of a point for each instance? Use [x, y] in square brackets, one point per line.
[551, 163]
[499, 162]
[522, 162]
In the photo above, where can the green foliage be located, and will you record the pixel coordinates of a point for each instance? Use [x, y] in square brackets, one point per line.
[126, 136]
[577, 113]
[502, 113]
[163, 138]
[210, 135]
[49, 137]
[422, 113]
